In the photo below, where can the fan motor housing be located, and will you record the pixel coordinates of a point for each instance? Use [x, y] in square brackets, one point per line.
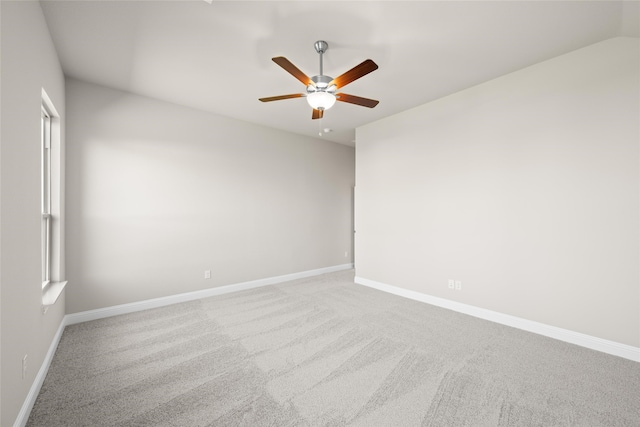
[321, 81]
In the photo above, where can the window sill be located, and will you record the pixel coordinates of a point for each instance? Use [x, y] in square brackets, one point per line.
[51, 292]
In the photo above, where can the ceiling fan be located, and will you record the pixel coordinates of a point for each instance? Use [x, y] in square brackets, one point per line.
[322, 91]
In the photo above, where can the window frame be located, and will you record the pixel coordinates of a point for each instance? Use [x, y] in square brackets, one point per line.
[45, 192]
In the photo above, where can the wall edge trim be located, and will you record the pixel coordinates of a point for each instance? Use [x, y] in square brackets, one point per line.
[30, 400]
[100, 313]
[594, 343]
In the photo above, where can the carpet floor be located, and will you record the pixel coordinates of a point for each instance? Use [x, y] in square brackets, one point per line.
[324, 351]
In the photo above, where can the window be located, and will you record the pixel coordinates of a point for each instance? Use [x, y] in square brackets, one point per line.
[51, 190]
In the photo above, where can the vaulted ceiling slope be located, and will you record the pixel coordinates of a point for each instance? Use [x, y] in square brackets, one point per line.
[217, 57]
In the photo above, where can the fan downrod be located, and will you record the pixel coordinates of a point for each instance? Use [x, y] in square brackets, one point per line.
[321, 47]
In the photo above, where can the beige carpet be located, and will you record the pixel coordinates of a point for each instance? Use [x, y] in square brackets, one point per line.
[326, 352]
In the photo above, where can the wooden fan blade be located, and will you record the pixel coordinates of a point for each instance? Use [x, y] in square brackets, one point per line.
[355, 73]
[352, 99]
[292, 69]
[278, 98]
[317, 114]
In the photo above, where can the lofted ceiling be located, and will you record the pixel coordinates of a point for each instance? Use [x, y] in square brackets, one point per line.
[217, 57]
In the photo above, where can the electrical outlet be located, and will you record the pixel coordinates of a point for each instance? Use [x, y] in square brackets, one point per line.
[451, 284]
[458, 285]
[24, 367]
[207, 274]
[346, 254]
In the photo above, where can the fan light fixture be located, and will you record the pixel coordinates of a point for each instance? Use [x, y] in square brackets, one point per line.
[322, 91]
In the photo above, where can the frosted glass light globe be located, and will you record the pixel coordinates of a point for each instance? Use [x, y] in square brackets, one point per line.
[321, 100]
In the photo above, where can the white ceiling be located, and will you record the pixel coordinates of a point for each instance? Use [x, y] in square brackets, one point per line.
[217, 57]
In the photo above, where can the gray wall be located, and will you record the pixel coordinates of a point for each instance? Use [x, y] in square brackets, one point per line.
[159, 193]
[29, 63]
[525, 188]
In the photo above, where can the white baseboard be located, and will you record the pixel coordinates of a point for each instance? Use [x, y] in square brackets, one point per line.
[583, 340]
[101, 313]
[23, 415]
